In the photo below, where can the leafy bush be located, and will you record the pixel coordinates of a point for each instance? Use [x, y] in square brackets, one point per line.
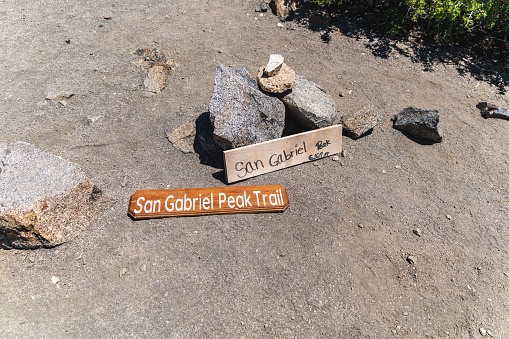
[442, 18]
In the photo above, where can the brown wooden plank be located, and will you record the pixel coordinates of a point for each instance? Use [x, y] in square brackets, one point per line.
[213, 200]
[249, 161]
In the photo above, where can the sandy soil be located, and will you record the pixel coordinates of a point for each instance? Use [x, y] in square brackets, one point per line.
[310, 272]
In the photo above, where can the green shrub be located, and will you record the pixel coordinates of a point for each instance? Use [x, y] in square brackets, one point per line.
[442, 18]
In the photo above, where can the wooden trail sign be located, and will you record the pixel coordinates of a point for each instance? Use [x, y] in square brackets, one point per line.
[214, 200]
[249, 161]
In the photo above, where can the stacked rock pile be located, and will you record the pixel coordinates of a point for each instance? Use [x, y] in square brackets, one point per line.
[244, 111]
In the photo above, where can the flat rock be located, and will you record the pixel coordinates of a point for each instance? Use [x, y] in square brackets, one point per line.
[182, 138]
[420, 123]
[279, 83]
[156, 79]
[240, 113]
[361, 122]
[493, 111]
[308, 103]
[44, 201]
[59, 95]
[274, 65]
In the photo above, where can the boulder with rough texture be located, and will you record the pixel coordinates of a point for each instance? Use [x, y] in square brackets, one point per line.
[274, 65]
[361, 122]
[182, 138]
[493, 111]
[308, 103]
[420, 123]
[279, 83]
[240, 113]
[44, 200]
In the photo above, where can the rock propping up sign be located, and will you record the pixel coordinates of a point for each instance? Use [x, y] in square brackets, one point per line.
[201, 201]
[249, 161]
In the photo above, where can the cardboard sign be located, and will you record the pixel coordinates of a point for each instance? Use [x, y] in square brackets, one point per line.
[249, 161]
[201, 201]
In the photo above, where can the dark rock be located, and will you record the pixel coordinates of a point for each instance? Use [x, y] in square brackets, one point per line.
[44, 200]
[320, 18]
[308, 103]
[240, 113]
[420, 123]
[493, 111]
[361, 122]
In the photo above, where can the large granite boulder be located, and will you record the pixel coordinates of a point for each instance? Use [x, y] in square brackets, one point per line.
[423, 124]
[44, 199]
[240, 113]
[308, 103]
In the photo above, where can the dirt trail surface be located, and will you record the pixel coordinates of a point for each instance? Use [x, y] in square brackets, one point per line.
[335, 264]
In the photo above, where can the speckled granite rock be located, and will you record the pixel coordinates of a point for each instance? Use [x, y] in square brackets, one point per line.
[308, 103]
[44, 201]
[240, 113]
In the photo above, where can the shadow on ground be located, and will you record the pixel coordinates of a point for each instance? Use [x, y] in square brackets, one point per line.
[484, 59]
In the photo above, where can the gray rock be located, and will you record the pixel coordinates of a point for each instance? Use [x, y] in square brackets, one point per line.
[420, 123]
[361, 122]
[182, 138]
[308, 103]
[240, 113]
[493, 111]
[44, 200]
[262, 7]
[247, 77]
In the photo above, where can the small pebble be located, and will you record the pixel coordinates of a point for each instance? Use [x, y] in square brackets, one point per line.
[360, 226]
[417, 232]
[123, 271]
[335, 158]
[54, 280]
[143, 268]
[506, 274]
[341, 94]
[411, 259]
[343, 153]
[482, 331]
[280, 25]
[489, 333]
[449, 217]
[405, 314]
